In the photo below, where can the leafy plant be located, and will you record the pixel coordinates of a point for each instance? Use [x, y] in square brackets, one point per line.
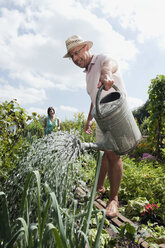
[35, 128]
[141, 113]
[12, 123]
[150, 212]
[156, 233]
[143, 147]
[127, 231]
[144, 126]
[156, 109]
[135, 207]
[78, 124]
[128, 235]
[28, 234]
[105, 239]
[5, 228]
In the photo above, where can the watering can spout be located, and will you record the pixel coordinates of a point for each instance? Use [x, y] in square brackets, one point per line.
[106, 144]
[88, 146]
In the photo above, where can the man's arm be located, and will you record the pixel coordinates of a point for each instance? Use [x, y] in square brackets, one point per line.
[89, 119]
[109, 67]
[58, 123]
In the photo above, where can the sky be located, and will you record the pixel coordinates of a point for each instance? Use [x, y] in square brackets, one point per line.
[32, 46]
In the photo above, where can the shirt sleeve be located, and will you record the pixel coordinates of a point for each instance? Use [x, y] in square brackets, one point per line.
[109, 64]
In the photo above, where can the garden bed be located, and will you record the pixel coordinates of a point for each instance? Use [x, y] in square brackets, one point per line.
[119, 221]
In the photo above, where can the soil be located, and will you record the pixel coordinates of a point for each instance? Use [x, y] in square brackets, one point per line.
[127, 244]
[123, 243]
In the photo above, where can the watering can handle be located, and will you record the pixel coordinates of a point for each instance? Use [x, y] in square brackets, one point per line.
[98, 98]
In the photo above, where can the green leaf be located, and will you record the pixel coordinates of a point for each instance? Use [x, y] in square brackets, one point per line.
[97, 241]
[5, 229]
[53, 229]
[14, 238]
[25, 229]
[58, 218]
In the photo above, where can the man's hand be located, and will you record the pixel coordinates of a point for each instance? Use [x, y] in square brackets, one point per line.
[87, 128]
[106, 80]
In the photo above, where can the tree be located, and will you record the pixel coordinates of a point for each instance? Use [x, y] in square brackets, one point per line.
[141, 113]
[156, 110]
[12, 123]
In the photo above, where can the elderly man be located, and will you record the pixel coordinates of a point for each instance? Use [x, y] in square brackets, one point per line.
[100, 69]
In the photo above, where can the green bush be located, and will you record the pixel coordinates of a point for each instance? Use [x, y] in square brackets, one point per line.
[156, 110]
[78, 124]
[144, 179]
[144, 126]
[12, 143]
[35, 129]
[143, 147]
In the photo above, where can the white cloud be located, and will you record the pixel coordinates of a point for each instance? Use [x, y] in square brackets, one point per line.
[33, 46]
[19, 2]
[22, 94]
[68, 109]
[40, 111]
[145, 16]
[134, 102]
[2, 80]
[32, 79]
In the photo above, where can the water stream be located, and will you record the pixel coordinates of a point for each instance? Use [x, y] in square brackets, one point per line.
[55, 156]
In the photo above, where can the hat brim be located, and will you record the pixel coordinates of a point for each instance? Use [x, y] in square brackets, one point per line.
[89, 43]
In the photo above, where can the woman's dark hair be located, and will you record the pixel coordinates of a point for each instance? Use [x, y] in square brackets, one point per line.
[50, 108]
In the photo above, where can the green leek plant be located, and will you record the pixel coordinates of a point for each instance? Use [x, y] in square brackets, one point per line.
[5, 227]
[53, 225]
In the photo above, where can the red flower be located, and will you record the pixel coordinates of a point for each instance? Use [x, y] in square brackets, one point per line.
[150, 211]
[143, 213]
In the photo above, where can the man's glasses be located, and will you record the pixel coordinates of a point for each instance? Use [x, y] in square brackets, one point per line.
[76, 53]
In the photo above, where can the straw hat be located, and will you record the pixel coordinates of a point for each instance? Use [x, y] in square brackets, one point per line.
[75, 41]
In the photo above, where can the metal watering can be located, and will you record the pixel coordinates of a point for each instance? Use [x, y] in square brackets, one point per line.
[115, 119]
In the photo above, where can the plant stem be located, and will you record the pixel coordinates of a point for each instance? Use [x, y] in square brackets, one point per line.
[90, 207]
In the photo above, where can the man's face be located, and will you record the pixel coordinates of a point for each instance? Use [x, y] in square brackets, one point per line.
[80, 56]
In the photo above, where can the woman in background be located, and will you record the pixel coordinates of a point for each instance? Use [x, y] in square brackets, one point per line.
[51, 121]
